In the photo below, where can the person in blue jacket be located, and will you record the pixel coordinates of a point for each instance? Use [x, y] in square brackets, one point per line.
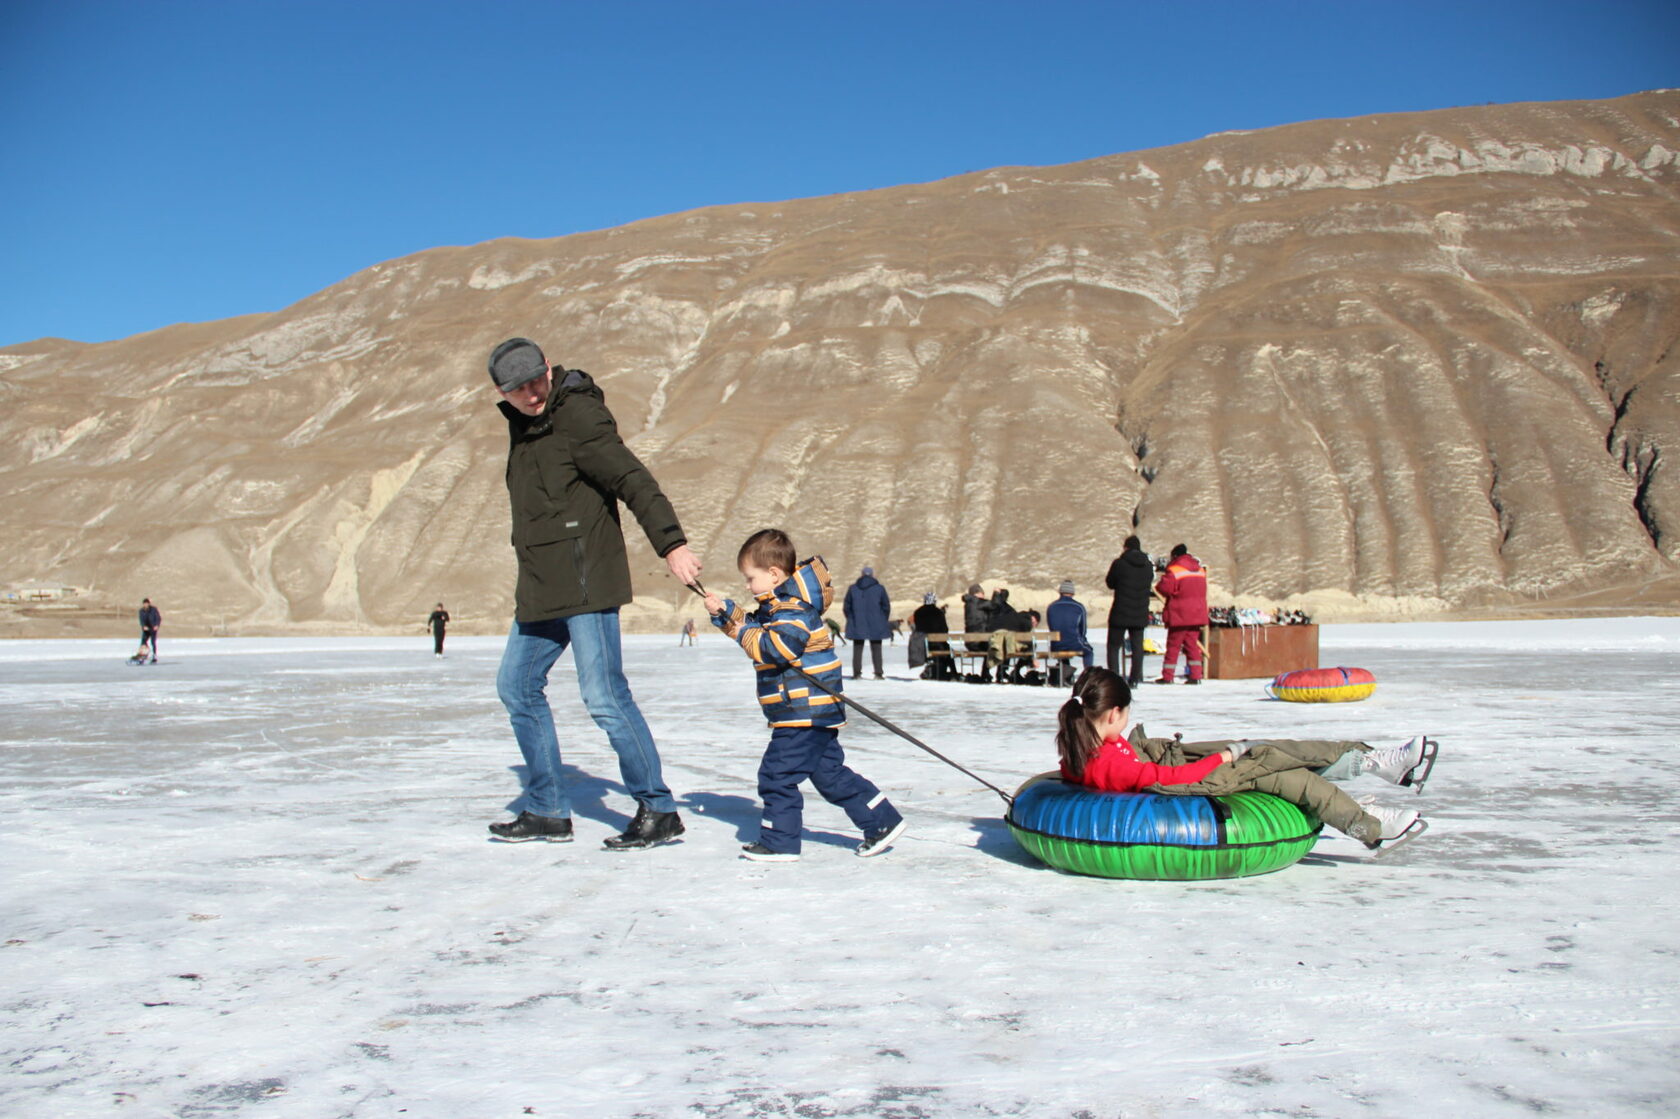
[1066, 618]
[791, 647]
[867, 610]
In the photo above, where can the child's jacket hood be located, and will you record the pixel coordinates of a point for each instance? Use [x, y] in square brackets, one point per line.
[809, 583]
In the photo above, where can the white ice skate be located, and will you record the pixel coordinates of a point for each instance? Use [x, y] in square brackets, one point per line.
[1396, 825]
[1404, 765]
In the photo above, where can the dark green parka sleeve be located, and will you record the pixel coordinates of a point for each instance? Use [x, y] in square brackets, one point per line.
[603, 458]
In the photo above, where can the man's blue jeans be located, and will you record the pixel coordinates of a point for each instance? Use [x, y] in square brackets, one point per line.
[532, 648]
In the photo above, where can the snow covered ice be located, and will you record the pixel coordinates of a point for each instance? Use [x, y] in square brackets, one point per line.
[254, 879]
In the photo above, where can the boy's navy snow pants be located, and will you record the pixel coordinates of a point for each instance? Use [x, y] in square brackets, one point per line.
[798, 753]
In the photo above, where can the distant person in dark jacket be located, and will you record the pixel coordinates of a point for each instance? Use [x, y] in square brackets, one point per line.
[977, 615]
[1011, 639]
[929, 620]
[150, 620]
[1184, 586]
[1066, 619]
[867, 610]
[1129, 577]
[567, 472]
[439, 621]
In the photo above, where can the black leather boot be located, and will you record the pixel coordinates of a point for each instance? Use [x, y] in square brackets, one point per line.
[648, 829]
[553, 829]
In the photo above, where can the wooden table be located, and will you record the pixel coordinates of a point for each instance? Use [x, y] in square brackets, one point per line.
[1242, 652]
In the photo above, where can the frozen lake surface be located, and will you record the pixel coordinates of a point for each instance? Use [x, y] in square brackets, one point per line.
[254, 879]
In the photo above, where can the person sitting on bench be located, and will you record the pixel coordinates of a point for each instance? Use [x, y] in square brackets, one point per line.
[1066, 619]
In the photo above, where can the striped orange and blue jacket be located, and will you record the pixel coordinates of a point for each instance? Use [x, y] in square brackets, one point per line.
[787, 632]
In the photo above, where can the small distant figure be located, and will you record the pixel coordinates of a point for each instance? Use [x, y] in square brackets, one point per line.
[895, 626]
[150, 620]
[975, 609]
[1129, 577]
[439, 621]
[688, 636]
[1066, 618]
[790, 648]
[1184, 586]
[977, 616]
[930, 621]
[1010, 643]
[867, 611]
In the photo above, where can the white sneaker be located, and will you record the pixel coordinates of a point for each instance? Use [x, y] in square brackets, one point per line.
[876, 842]
[1395, 763]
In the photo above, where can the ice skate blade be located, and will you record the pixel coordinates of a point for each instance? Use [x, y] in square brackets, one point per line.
[1426, 765]
[1334, 848]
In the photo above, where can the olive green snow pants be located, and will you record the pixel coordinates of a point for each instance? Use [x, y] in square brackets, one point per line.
[1297, 771]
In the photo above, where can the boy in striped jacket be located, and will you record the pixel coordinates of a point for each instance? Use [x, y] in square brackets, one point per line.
[790, 646]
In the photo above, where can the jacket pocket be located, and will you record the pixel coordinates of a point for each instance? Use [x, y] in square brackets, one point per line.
[552, 571]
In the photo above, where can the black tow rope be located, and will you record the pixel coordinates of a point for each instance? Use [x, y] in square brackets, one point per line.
[700, 590]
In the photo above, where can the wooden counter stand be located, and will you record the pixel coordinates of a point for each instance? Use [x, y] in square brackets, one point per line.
[1241, 652]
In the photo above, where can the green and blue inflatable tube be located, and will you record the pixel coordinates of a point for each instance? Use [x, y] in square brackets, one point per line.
[1157, 837]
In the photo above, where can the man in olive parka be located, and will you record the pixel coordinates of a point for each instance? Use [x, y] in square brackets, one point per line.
[567, 471]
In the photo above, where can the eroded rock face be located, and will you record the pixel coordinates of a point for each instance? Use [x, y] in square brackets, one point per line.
[1419, 362]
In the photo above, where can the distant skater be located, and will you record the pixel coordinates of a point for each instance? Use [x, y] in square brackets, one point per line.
[150, 620]
[439, 621]
[785, 637]
[688, 633]
[567, 471]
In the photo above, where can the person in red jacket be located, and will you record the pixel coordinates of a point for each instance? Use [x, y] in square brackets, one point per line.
[1096, 752]
[1184, 586]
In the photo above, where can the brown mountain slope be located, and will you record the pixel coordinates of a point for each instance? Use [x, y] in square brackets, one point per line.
[1423, 362]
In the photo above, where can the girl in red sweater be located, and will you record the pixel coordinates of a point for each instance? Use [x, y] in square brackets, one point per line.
[1096, 752]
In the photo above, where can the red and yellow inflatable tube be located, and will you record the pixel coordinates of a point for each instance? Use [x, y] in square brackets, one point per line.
[1322, 685]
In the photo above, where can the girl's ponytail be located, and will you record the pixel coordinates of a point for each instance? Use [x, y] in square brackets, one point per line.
[1076, 738]
[1096, 691]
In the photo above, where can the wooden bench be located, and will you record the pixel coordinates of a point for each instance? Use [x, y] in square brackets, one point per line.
[1040, 654]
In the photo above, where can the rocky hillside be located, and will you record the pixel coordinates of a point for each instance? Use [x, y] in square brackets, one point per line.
[1399, 364]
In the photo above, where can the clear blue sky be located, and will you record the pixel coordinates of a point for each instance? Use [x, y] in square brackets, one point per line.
[166, 160]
